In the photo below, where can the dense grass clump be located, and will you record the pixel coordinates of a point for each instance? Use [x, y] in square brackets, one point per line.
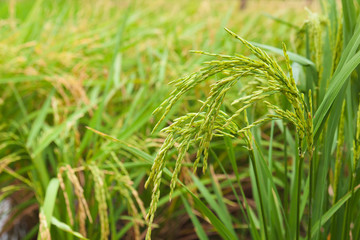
[94, 141]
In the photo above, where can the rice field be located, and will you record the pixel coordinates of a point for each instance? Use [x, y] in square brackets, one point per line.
[179, 119]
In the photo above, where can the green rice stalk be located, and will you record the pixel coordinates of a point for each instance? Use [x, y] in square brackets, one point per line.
[339, 153]
[248, 138]
[338, 47]
[199, 128]
[311, 164]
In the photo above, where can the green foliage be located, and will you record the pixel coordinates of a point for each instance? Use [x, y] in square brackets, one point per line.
[307, 197]
[277, 136]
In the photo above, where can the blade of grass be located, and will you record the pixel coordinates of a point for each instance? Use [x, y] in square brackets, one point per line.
[280, 20]
[292, 56]
[349, 15]
[219, 209]
[238, 177]
[336, 84]
[328, 214]
[50, 198]
[39, 121]
[65, 228]
[223, 230]
[197, 225]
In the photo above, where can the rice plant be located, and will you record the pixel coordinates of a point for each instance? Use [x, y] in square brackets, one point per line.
[315, 116]
[260, 142]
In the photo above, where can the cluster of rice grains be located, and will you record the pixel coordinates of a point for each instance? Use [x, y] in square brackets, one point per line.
[117, 174]
[83, 208]
[199, 128]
